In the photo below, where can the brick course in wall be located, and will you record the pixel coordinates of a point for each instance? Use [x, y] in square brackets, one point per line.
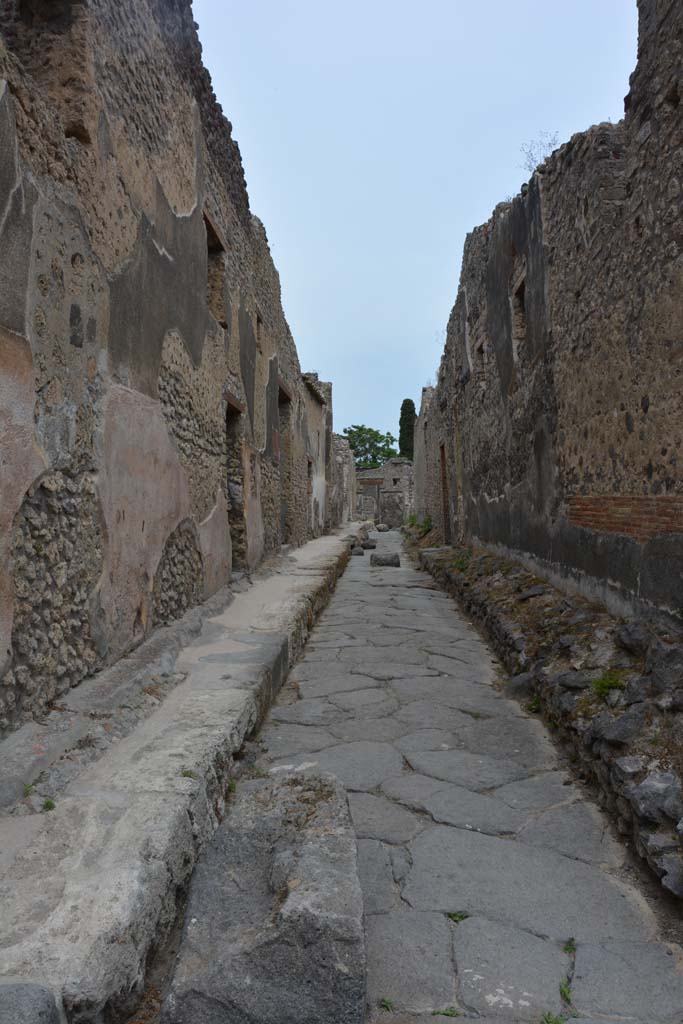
[637, 516]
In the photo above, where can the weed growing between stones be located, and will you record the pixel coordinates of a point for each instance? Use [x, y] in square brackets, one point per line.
[533, 706]
[449, 1011]
[552, 1018]
[566, 992]
[462, 560]
[48, 804]
[386, 1004]
[570, 947]
[458, 916]
[610, 680]
[187, 773]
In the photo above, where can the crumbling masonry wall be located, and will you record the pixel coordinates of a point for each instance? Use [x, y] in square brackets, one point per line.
[556, 425]
[386, 494]
[153, 415]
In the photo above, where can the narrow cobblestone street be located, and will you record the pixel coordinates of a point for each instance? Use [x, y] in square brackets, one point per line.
[494, 888]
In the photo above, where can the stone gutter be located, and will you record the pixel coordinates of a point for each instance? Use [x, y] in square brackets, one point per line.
[91, 888]
[610, 689]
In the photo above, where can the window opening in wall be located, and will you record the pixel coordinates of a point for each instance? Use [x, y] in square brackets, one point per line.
[259, 330]
[518, 313]
[284, 408]
[235, 484]
[215, 273]
[445, 503]
[309, 494]
[395, 482]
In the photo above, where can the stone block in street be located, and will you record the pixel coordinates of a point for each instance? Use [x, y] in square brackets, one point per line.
[273, 930]
[387, 561]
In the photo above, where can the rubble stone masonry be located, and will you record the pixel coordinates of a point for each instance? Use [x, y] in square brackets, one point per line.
[155, 427]
[555, 429]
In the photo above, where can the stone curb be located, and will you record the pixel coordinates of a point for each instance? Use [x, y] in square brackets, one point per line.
[643, 800]
[92, 888]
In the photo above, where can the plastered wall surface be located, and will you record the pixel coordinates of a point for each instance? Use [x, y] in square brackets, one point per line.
[156, 430]
[555, 428]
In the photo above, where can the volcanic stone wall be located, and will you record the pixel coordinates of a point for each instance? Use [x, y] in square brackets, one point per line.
[556, 425]
[153, 415]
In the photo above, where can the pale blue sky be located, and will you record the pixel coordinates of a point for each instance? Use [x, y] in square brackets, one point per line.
[376, 134]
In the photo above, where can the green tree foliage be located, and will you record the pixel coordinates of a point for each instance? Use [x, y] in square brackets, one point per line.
[371, 448]
[406, 428]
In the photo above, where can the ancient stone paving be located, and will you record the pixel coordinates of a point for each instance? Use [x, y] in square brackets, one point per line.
[493, 887]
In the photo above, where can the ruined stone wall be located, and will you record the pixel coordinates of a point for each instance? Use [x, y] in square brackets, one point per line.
[144, 353]
[386, 494]
[367, 493]
[341, 483]
[556, 425]
[317, 441]
[396, 498]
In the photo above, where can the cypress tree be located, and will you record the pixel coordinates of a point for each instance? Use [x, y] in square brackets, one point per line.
[406, 428]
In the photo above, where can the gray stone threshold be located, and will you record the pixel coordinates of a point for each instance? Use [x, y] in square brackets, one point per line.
[91, 887]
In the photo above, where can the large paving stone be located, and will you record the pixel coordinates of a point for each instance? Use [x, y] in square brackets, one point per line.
[283, 739]
[523, 740]
[423, 714]
[465, 809]
[478, 668]
[360, 766]
[426, 739]
[472, 771]
[539, 792]
[376, 873]
[409, 961]
[381, 730]
[576, 830]
[436, 690]
[520, 885]
[508, 973]
[479, 701]
[402, 655]
[385, 672]
[308, 712]
[377, 818]
[370, 703]
[27, 1004]
[629, 979]
[273, 930]
[328, 683]
[412, 789]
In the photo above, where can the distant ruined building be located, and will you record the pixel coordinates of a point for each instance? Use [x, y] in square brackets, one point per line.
[385, 494]
[555, 429]
[155, 427]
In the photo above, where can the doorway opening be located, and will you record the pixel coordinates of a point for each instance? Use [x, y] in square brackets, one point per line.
[234, 430]
[445, 503]
[284, 409]
[215, 274]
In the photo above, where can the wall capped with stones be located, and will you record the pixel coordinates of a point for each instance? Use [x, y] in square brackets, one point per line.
[155, 421]
[556, 425]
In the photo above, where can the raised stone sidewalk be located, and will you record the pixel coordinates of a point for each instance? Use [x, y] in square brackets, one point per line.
[493, 886]
[90, 888]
